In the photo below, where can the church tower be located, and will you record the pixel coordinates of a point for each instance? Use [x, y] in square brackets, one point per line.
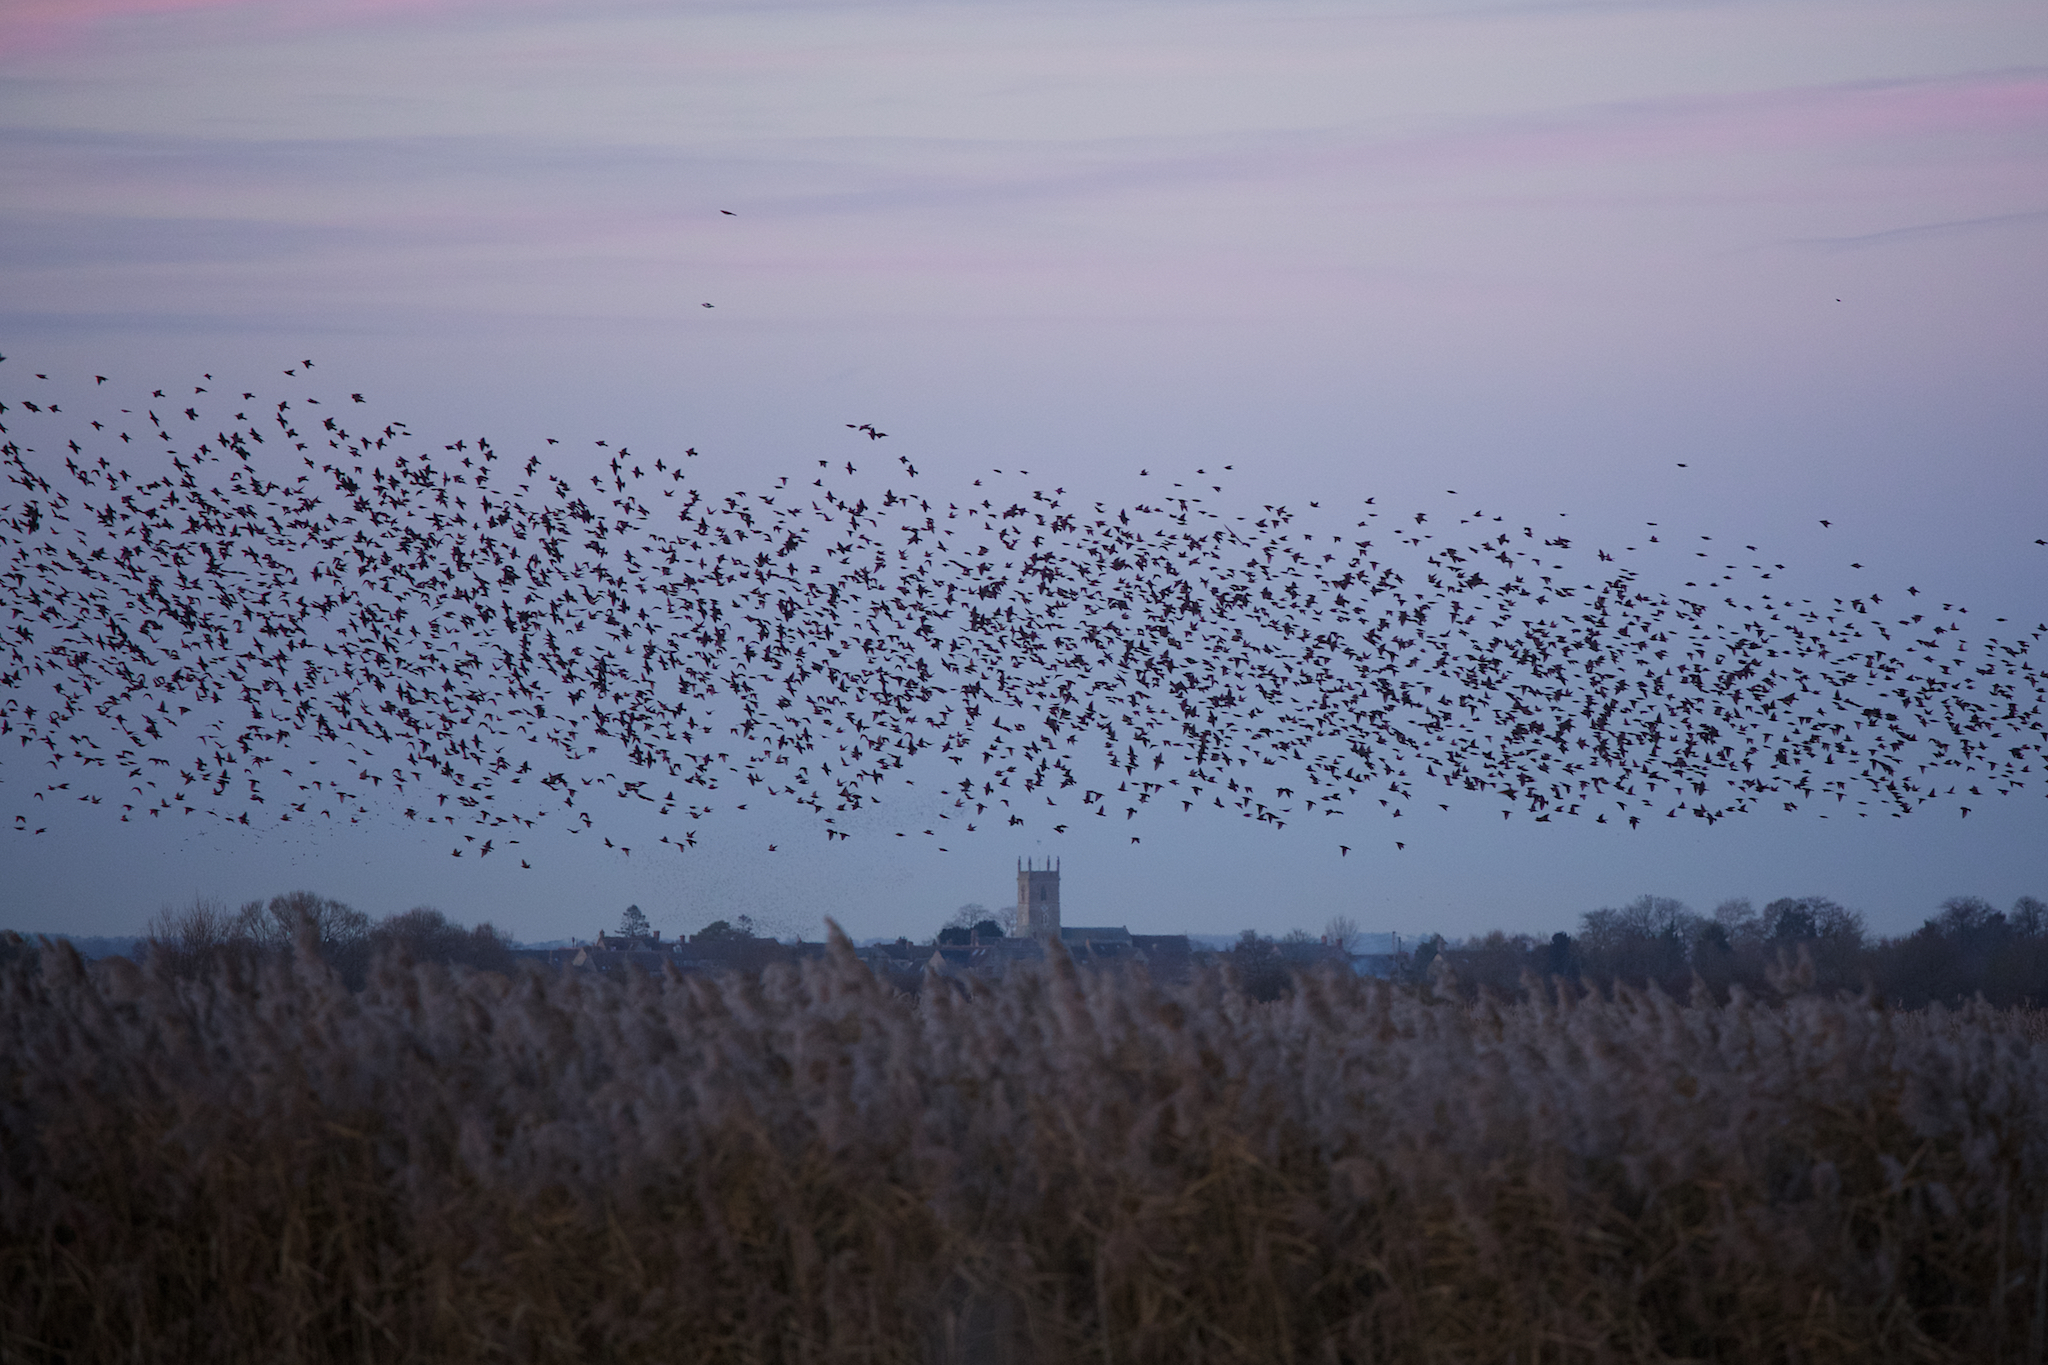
[1038, 899]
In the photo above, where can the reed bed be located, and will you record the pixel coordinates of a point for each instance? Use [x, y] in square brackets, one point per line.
[256, 1163]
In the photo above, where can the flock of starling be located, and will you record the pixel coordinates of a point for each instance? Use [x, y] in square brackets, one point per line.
[271, 610]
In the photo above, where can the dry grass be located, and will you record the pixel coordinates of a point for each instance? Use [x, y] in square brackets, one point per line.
[257, 1164]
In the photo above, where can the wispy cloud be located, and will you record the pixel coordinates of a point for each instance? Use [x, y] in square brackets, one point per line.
[40, 25]
[29, 24]
[135, 197]
[1811, 122]
[1768, 121]
[1955, 228]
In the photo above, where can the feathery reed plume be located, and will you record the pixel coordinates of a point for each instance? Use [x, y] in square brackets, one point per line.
[253, 1162]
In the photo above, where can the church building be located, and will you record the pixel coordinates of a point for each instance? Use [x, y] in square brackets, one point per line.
[1038, 899]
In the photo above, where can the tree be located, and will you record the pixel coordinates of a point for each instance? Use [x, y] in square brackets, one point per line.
[1559, 958]
[338, 933]
[1299, 946]
[1645, 940]
[1495, 962]
[204, 932]
[2028, 917]
[203, 924]
[633, 924]
[1425, 954]
[1261, 973]
[724, 931]
[1644, 918]
[1342, 933]
[974, 914]
[421, 933]
[1789, 920]
[190, 937]
[424, 934]
[1738, 922]
[335, 928]
[1828, 934]
[1967, 949]
[1965, 918]
[958, 935]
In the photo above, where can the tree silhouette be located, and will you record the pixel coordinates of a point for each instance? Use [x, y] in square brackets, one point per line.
[1342, 933]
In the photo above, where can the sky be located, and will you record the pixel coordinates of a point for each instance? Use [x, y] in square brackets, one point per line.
[1736, 268]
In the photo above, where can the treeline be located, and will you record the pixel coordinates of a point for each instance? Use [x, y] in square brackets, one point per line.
[1967, 949]
[205, 935]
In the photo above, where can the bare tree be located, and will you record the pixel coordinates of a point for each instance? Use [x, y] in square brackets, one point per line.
[1650, 939]
[189, 937]
[339, 934]
[424, 934]
[1343, 934]
[2028, 917]
[334, 926]
[1738, 922]
[204, 924]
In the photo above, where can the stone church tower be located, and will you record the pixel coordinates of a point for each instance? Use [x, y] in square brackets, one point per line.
[1038, 899]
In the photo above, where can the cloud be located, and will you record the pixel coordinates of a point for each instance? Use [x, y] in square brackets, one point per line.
[1801, 118]
[299, 194]
[41, 25]
[1955, 228]
[42, 241]
[1817, 124]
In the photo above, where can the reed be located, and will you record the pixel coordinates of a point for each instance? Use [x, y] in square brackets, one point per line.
[258, 1163]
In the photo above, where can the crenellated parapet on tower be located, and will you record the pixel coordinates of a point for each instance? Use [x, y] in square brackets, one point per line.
[1038, 899]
